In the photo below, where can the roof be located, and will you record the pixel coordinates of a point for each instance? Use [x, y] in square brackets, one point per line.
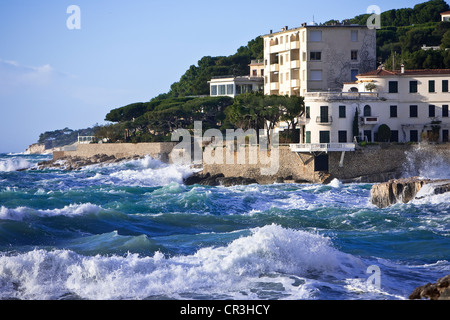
[445, 13]
[417, 72]
[312, 26]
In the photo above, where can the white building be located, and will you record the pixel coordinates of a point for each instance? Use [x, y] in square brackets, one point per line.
[232, 86]
[414, 104]
[316, 58]
[445, 16]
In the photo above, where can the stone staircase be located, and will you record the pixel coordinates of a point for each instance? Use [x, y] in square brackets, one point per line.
[323, 177]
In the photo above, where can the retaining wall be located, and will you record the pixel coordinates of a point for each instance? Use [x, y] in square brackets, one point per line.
[120, 150]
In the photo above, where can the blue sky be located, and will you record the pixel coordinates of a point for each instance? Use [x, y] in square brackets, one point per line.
[125, 52]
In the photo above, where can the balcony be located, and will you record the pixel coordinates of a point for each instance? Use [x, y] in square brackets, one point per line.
[370, 120]
[274, 86]
[295, 64]
[295, 83]
[328, 120]
[274, 67]
[295, 45]
[322, 147]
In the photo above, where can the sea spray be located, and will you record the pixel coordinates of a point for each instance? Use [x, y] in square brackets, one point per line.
[427, 162]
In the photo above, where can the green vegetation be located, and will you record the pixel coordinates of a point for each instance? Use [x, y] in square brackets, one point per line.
[384, 133]
[62, 137]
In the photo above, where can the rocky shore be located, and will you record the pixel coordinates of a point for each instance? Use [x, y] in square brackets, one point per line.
[77, 163]
[404, 190]
[436, 291]
[217, 180]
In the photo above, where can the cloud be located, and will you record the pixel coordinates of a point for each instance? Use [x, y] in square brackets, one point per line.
[14, 76]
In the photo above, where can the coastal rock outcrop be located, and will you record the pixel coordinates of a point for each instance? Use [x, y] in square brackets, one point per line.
[404, 190]
[436, 291]
[76, 163]
[217, 180]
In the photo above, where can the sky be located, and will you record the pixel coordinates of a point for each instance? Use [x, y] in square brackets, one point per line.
[53, 76]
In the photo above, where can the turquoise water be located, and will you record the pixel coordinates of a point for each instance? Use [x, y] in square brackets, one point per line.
[132, 230]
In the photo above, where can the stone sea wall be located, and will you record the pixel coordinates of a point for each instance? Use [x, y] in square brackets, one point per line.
[370, 164]
[119, 150]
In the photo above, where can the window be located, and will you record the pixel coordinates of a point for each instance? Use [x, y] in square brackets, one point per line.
[324, 137]
[342, 112]
[354, 35]
[308, 137]
[394, 135]
[315, 55]
[354, 73]
[367, 111]
[354, 55]
[316, 75]
[414, 136]
[444, 85]
[221, 90]
[413, 111]
[230, 89]
[342, 136]
[255, 73]
[315, 36]
[431, 86]
[214, 90]
[431, 111]
[308, 112]
[393, 86]
[413, 86]
[445, 135]
[445, 111]
[393, 112]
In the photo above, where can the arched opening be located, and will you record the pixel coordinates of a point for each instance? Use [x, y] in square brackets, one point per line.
[354, 89]
[367, 111]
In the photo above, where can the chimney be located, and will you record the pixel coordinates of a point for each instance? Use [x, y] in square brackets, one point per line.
[271, 31]
[402, 68]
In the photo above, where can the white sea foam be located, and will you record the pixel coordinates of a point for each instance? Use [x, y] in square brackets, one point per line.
[270, 257]
[14, 164]
[145, 172]
[20, 213]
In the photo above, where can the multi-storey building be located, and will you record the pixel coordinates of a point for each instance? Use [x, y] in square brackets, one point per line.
[414, 104]
[316, 58]
[232, 86]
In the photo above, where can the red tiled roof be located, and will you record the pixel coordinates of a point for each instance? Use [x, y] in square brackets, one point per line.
[418, 72]
[446, 12]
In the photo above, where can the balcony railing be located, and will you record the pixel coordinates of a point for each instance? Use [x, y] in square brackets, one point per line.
[322, 147]
[343, 95]
[324, 120]
[370, 120]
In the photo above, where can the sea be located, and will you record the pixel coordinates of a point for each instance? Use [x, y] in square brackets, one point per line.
[133, 231]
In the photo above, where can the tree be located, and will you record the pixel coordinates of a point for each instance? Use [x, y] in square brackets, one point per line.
[384, 133]
[356, 124]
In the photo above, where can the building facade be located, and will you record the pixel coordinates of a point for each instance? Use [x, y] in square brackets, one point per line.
[316, 58]
[414, 104]
[232, 86]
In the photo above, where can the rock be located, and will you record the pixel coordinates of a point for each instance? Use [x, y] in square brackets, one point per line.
[403, 190]
[77, 163]
[217, 180]
[437, 291]
[235, 181]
